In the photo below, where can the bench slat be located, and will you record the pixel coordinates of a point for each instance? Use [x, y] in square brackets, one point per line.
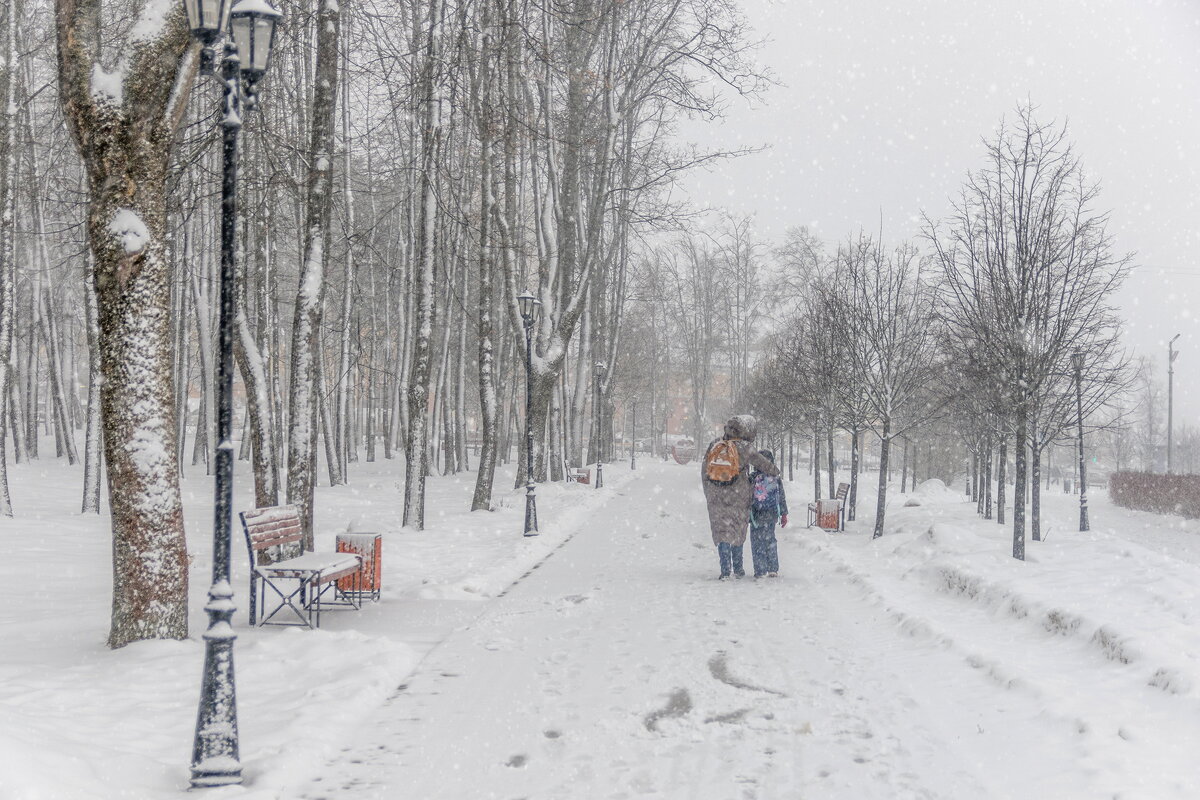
[273, 525]
[272, 514]
[271, 540]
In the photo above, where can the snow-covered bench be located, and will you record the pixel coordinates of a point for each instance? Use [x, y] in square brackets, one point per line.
[273, 537]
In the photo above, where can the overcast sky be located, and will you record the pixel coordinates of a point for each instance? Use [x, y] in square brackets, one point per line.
[883, 106]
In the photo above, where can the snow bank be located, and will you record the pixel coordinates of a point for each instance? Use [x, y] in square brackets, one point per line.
[934, 490]
[1109, 613]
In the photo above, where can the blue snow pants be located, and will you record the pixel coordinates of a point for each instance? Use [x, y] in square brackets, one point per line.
[731, 556]
[764, 549]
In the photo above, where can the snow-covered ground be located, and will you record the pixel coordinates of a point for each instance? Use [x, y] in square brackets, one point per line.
[603, 659]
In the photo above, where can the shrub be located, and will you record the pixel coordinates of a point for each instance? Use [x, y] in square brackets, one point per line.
[1162, 494]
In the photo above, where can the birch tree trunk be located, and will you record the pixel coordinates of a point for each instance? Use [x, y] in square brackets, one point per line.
[416, 451]
[302, 433]
[8, 166]
[343, 442]
[264, 464]
[92, 444]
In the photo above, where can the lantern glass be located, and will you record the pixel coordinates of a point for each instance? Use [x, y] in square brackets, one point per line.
[207, 18]
[253, 26]
[526, 301]
[1077, 359]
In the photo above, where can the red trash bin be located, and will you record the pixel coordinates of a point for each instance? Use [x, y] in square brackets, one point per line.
[828, 512]
[370, 547]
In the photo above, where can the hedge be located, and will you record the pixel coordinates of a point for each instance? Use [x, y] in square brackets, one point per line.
[1162, 494]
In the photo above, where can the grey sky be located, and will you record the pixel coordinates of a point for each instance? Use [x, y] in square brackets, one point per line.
[884, 104]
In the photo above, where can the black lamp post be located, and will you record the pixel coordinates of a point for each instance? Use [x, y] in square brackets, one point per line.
[529, 306]
[1077, 362]
[600, 368]
[633, 436]
[215, 760]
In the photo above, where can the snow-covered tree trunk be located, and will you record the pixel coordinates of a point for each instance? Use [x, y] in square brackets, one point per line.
[416, 451]
[343, 441]
[1035, 496]
[486, 303]
[885, 441]
[322, 411]
[57, 393]
[830, 460]
[92, 444]
[852, 499]
[182, 363]
[1001, 469]
[124, 120]
[1022, 481]
[306, 324]
[816, 461]
[201, 449]
[8, 165]
[264, 463]
[987, 478]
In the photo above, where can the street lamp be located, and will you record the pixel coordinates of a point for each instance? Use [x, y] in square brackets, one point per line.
[529, 306]
[633, 436]
[1077, 362]
[1172, 354]
[600, 368]
[208, 20]
[215, 760]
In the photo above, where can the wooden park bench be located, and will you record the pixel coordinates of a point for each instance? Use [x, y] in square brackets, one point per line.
[843, 490]
[579, 475]
[273, 537]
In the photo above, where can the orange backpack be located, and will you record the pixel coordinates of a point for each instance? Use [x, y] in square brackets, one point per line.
[724, 463]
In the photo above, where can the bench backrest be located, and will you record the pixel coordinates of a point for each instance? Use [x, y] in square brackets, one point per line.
[270, 531]
[843, 490]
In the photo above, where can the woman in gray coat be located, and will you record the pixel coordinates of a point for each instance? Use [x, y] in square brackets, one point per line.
[729, 500]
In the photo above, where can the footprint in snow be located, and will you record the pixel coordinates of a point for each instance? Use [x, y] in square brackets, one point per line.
[678, 704]
[731, 716]
[718, 665]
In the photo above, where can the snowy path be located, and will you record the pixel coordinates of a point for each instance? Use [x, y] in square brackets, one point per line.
[621, 668]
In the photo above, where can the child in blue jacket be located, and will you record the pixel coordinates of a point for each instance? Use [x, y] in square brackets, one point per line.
[769, 505]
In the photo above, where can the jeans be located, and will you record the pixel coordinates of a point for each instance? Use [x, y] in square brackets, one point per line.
[764, 549]
[730, 555]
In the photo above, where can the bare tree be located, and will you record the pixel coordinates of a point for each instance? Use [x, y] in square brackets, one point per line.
[889, 316]
[1027, 271]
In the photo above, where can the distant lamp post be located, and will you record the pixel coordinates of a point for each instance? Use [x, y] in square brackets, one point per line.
[215, 759]
[529, 306]
[1077, 362]
[633, 435]
[599, 371]
[1172, 354]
